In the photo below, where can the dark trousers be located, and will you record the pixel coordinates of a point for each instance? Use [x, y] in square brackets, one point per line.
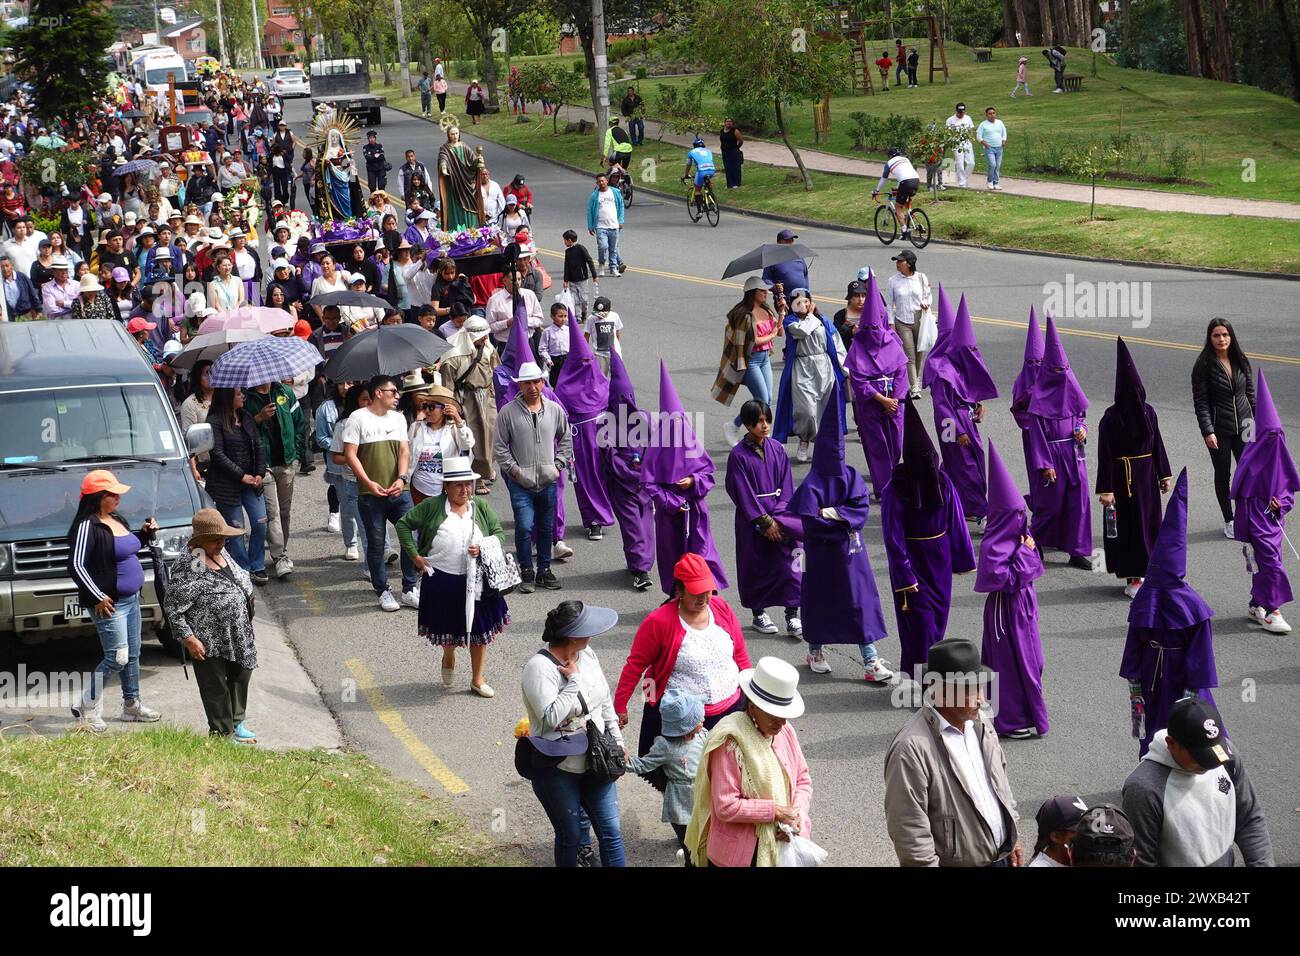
[442, 102]
[557, 363]
[281, 179]
[1230, 447]
[223, 688]
[378, 178]
[1059, 76]
[680, 830]
[731, 163]
[636, 129]
[911, 75]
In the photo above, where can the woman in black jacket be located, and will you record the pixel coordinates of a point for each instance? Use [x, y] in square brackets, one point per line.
[103, 558]
[236, 465]
[1223, 394]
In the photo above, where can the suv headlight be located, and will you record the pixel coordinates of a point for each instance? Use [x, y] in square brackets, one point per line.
[6, 558]
[173, 540]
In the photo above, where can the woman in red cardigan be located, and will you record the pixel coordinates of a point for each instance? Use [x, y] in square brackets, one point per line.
[692, 642]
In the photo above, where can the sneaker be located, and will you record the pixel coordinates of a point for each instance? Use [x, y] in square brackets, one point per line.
[1227, 530]
[763, 624]
[1024, 733]
[243, 735]
[977, 524]
[640, 581]
[561, 551]
[817, 663]
[681, 854]
[585, 855]
[1256, 614]
[1058, 90]
[306, 468]
[547, 580]
[411, 598]
[998, 187]
[878, 672]
[907, 233]
[333, 523]
[793, 626]
[259, 577]
[594, 533]
[527, 581]
[802, 453]
[1131, 589]
[387, 602]
[91, 716]
[1275, 623]
[283, 566]
[1082, 562]
[733, 433]
[622, 267]
[391, 554]
[137, 711]
[351, 554]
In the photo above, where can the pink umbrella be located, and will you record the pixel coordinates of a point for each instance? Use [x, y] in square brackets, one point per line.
[252, 317]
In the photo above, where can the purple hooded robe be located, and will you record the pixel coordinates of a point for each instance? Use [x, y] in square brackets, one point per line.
[1024, 383]
[877, 365]
[944, 321]
[760, 484]
[584, 393]
[620, 460]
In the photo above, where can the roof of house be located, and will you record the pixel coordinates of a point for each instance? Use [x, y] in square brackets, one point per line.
[282, 23]
[183, 28]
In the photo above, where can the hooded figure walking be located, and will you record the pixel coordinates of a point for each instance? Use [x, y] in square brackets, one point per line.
[877, 369]
[583, 390]
[1009, 563]
[1023, 387]
[926, 542]
[1264, 490]
[1056, 461]
[1169, 653]
[620, 451]
[840, 603]
[678, 476]
[960, 385]
[1132, 473]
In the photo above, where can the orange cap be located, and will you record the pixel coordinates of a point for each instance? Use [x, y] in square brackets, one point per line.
[693, 571]
[102, 480]
[302, 329]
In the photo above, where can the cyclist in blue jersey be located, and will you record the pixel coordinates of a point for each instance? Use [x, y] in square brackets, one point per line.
[700, 157]
[898, 167]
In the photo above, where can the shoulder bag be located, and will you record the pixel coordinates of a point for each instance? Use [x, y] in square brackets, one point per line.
[498, 567]
[605, 760]
[528, 759]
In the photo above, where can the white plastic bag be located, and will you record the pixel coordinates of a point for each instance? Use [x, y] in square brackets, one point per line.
[799, 851]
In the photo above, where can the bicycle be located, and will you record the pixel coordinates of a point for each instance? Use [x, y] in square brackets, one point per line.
[915, 220]
[705, 205]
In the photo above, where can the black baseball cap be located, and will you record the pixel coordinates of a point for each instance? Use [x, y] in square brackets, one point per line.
[907, 255]
[1060, 813]
[1102, 829]
[602, 304]
[1196, 725]
[786, 234]
[856, 288]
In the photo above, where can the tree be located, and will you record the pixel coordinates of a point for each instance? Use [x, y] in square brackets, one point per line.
[577, 13]
[785, 61]
[1090, 163]
[485, 18]
[559, 85]
[81, 33]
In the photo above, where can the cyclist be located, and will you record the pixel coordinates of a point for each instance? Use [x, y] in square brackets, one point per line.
[618, 148]
[899, 167]
[701, 157]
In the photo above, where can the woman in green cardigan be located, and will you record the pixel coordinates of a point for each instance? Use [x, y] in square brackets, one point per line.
[450, 529]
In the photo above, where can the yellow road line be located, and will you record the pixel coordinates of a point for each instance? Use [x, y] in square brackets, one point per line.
[1006, 323]
[391, 719]
[311, 596]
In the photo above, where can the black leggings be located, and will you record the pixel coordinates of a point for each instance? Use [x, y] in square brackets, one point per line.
[1230, 447]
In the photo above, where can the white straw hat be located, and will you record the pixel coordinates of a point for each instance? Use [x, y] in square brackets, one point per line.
[772, 687]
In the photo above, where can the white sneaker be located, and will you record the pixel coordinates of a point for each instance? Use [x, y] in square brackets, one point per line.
[977, 524]
[391, 554]
[1256, 615]
[878, 672]
[388, 603]
[333, 523]
[1131, 590]
[561, 551]
[1058, 91]
[763, 624]
[410, 599]
[137, 711]
[794, 627]
[802, 453]
[351, 554]
[91, 716]
[283, 566]
[733, 433]
[1275, 623]
[817, 663]
[1227, 530]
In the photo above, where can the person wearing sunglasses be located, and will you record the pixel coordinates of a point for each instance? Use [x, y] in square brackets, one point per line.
[438, 433]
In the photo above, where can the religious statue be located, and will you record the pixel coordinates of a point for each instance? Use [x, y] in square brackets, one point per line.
[339, 191]
[458, 168]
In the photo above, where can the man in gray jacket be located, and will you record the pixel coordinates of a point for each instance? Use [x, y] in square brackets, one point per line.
[948, 801]
[533, 445]
[1189, 798]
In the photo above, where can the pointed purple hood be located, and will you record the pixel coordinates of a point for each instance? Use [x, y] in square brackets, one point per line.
[620, 383]
[582, 386]
[674, 451]
[960, 364]
[944, 321]
[1005, 525]
[1056, 392]
[831, 479]
[1165, 600]
[518, 351]
[1266, 469]
[875, 349]
[1033, 362]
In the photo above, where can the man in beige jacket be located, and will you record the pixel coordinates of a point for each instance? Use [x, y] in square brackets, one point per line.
[948, 801]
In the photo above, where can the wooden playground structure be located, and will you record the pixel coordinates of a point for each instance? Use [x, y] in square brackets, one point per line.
[848, 20]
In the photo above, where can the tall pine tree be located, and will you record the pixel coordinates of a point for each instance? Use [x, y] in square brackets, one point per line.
[62, 51]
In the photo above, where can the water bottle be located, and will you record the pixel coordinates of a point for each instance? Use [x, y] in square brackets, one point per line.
[855, 542]
[573, 474]
[1138, 712]
[1248, 552]
[1110, 522]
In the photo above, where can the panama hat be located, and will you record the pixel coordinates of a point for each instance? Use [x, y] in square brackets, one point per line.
[458, 469]
[413, 381]
[90, 284]
[772, 687]
[528, 372]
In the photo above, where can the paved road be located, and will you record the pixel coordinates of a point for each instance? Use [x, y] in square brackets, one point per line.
[671, 302]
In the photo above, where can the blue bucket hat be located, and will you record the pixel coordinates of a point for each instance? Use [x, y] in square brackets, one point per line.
[679, 712]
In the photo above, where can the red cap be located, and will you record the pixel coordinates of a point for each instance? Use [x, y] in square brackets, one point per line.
[140, 324]
[693, 571]
[302, 329]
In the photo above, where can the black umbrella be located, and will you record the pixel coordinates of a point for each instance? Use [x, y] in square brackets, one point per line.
[768, 254]
[387, 350]
[347, 297]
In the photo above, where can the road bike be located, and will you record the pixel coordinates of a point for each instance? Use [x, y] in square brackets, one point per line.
[915, 221]
[706, 204]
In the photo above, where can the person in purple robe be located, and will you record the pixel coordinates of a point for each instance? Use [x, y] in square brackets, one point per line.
[620, 449]
[959, 385]
[840, 603]
[945, 319]
[678, 476]
[926, 542]
[1169, 653]
[1132, 473]
[877, 369]
[584, 393]
[1264, 490]
[1024, 385]
[1056, 458]
[1009, 563]
[760, 485]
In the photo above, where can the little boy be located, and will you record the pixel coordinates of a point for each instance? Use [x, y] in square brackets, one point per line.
[578, 268]
[553, 348]
[677, 751]
[604, 330]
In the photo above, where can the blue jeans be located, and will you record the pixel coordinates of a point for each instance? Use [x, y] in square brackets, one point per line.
[607, 247]
[758, 377]
[252, 557]
[426, 101]
[868, 651]
[375, 513]
[564, 796]
[994, 155]
[636, 129]
[119, 636]
[349, 516]
[533, 507]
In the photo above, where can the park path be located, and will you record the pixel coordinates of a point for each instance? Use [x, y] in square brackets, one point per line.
[775, 154]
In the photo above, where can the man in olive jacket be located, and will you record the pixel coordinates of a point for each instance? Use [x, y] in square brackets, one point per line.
[948, 801]
[282, 424]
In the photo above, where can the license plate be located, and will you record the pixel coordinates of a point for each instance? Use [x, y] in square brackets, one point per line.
[72, 609]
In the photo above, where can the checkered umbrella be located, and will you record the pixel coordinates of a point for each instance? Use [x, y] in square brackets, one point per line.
[263, 360]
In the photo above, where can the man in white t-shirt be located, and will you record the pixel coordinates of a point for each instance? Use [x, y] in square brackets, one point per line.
[604, 330]
[494, 200]
[24, 247]
[963, 156]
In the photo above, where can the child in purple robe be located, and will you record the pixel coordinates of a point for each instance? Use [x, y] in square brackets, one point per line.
[1009, 564]
[877, 369]
[621, 448]
[1169, 653]
[1264, 490]
[759, 482]
[583, 390]
[926, 542]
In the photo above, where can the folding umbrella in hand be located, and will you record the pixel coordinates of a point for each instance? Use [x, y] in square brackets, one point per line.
[768, 254]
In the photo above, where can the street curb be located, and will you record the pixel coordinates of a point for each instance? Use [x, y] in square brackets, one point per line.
[859, 230]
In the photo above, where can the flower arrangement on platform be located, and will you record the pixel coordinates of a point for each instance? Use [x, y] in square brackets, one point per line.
[346, 230]
[467, 242]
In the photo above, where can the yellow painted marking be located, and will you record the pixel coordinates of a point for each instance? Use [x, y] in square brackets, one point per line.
[311, 596]
[391, 719]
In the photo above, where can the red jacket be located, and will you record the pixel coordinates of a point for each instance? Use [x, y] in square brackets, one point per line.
[655, 647]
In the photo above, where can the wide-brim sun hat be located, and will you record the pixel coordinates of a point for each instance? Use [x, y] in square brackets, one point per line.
[208, 524]
[414, 382]
[591, 621]
[443, 395]
[458, 469]
[756, 282]
[772, 687]
[90, 284]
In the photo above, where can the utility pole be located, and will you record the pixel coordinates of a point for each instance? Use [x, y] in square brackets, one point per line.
[602, 70]
[257, 41]
[402, 53]
[221, 36]
[157, 29]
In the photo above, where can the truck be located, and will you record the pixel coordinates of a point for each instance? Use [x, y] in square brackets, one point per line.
[80, 395]
[345, 84]
[154, 67]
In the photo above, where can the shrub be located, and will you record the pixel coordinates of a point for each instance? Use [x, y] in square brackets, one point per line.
[580, 67]
[1178, 160]
[641, 73]
[753, 116]
[880, 133]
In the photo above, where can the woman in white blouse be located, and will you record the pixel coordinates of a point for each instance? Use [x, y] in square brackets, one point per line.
[331, 279]
[909, 295]
[225, 291]
[441, 434]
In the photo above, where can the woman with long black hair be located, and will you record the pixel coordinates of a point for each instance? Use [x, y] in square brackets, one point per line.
[1223, 394]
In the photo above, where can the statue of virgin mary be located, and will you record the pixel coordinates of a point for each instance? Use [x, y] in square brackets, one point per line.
[458, 188]
[336, 174]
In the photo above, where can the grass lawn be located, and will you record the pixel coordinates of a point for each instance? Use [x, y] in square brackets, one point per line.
[1271, 245]
[170, 797]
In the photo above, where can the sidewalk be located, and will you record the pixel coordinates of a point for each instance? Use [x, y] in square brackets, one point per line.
[775, 154]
